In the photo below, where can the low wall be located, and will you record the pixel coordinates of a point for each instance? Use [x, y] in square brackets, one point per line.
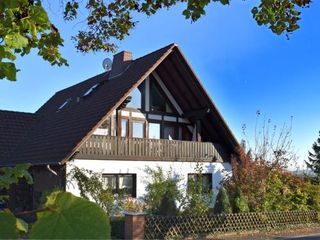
[168, 227]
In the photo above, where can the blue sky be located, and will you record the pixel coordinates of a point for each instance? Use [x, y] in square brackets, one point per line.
[244, 66]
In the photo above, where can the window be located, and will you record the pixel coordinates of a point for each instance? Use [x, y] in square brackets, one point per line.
[138, 129]
[64, 104]
[136, 99]
[90, 90]
[170, 132]
[186, 134]
[154, 130]
[110, 182]
[124, 127]
[104, 128]
[121, 183]
[158, 101]
[206, 180]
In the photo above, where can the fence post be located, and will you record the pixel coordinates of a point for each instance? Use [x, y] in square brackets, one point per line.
[134, 226]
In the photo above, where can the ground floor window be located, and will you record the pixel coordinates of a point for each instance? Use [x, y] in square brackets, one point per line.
[121, 183]
[206, 179]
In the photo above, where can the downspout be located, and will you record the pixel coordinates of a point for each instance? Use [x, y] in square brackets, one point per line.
[51, 170]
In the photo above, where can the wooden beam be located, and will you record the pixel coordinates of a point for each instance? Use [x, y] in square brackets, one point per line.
[147, 94]
[168, 93]
[198, 128]
[197, 114]
[188, 78]
[118, 123]
[174, 81]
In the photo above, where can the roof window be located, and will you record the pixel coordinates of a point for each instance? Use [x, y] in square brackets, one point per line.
[90, 90]
[64, 104]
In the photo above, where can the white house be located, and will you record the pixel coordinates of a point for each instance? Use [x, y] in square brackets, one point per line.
[150, 111]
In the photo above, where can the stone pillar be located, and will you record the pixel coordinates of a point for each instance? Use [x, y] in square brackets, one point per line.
[134, 226]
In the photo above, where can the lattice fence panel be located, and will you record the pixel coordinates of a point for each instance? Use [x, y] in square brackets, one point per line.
[164, 227]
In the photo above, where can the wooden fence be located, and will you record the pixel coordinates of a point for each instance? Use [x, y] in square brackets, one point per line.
[168, 227]
[120, 148]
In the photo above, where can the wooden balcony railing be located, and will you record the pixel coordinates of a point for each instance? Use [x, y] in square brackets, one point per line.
[119, 148]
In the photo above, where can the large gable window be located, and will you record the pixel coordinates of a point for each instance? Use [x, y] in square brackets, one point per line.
[121, 183]
[170, 132]
[158, 101]
[136, 99]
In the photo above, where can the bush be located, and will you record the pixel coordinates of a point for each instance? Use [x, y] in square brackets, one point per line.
[161, 189]
[222, 204]
[91, 187]
[239, 202]
[270, 188]
[198, 197]
[130, 204]
[313, 191]
[167, 206]
[285, 192]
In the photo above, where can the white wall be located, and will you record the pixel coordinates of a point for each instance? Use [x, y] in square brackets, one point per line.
[218, 170]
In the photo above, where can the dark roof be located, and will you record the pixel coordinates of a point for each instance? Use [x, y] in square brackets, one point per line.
[53, 137]
[14, 127]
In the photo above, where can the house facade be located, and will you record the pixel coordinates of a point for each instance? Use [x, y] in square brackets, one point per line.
[146, 112]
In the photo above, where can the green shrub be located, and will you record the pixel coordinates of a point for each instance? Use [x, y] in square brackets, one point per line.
[313, 191]
[168, 206]
[222, 204]
[239, 202]
[91, 187]
[199, 197]
[285, 192]
[161, 188]
[269, 187]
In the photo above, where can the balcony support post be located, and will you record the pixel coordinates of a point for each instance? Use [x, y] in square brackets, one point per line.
[198, 129]
[118, 123]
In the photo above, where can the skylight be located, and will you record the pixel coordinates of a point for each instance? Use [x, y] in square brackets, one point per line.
[90, 90]
[64, 104]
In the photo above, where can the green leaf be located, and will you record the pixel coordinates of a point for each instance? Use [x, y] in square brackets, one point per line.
[5, 52]
[39, 15]
[22, 226]
[254, 11]
[15, 40]
[8, 226]
[8, 70]
[70, 217]
[225, 2]
[293, 28]
[4, 4]
[11, 175]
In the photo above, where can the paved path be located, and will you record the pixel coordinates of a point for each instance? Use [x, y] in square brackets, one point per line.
[305, 237]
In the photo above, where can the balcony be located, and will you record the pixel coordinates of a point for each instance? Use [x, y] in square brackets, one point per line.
[119, 148]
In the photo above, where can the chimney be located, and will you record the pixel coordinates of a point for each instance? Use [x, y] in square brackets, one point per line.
[120, 63]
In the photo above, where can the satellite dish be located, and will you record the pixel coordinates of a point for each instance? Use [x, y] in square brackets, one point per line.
[107, 64]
